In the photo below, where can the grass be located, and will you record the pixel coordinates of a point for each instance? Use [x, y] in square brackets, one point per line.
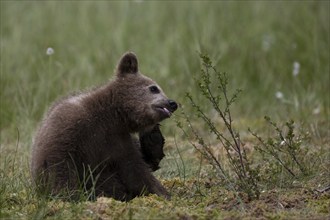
[255, 42]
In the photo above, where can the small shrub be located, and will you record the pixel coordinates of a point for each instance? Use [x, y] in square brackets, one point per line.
[285, 150]
[279, 159]
[238, 176]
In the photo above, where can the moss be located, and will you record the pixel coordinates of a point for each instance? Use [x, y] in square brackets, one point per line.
[217, 203]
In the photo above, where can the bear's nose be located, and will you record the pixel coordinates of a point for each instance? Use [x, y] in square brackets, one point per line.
[173, 105]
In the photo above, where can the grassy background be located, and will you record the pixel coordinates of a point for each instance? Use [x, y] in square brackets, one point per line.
[256, 42]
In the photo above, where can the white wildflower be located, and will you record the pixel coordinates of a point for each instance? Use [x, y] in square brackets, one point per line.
[296, 68]
[316, 110]
[279, 95]
[265, 45]
[282, 143]
[50, 51]
[294, 46]
[89, 212]
[267, 42]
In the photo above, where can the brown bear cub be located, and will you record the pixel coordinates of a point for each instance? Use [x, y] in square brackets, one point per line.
[86, 142]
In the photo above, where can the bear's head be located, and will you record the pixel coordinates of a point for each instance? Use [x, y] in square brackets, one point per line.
[141, 98]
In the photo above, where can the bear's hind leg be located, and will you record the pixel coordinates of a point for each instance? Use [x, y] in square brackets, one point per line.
[109, 185]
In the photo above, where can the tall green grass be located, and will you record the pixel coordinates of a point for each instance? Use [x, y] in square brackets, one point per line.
[255, 42]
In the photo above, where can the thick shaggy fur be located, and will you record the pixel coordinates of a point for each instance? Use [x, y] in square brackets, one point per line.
[86, 143]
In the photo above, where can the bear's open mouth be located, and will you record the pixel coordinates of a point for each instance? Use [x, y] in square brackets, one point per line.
[164, 110]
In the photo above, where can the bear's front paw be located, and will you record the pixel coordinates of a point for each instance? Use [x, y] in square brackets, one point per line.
[152, 143]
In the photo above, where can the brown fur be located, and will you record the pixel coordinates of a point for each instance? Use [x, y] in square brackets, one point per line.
[85, 142]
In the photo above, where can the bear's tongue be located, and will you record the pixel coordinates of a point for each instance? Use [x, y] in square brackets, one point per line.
[167, 111]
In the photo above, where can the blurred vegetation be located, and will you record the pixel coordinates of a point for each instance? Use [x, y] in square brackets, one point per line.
[277, 52]
[256, 42]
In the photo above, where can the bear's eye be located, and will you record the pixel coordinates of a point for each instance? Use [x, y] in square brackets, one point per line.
[154, 89]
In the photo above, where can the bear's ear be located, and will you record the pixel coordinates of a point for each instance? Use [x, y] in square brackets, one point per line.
[127, 64]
